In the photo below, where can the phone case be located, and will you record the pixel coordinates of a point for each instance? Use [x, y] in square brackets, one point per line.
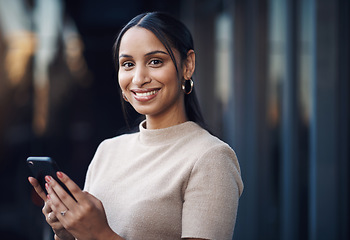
[45, 166]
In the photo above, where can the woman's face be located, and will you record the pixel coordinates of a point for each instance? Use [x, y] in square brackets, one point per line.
[148, 77]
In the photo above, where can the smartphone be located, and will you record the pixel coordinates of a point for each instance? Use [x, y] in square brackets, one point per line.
[45, 166]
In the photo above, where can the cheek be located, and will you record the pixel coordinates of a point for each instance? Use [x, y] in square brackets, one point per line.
[123, 80]
[168, 77]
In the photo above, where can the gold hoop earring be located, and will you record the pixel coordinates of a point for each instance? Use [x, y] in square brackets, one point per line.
[124, 97]
[185, 88]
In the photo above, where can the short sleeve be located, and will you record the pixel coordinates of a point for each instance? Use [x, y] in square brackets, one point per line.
[212, 195]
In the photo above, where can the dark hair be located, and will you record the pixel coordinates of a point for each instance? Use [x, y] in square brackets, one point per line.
[173, 34]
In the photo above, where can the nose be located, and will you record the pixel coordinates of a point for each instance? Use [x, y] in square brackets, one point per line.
[141, 76]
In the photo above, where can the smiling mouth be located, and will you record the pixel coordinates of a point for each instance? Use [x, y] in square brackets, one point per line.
[145, 94]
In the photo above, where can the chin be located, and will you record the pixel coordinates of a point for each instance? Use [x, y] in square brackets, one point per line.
[143, 111]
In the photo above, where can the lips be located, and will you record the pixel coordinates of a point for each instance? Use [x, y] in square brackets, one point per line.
[144, 95]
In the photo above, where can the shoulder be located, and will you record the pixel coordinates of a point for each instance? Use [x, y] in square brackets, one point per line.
[117, 140]
[111, 146]
[215, 158]
[207, 143]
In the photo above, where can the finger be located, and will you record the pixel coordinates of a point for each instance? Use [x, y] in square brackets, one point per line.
[49, 215]
[47, 208]
[57, 206]
[37, 188]
[56, 203]
[53, 221]
[72, 187]
[60, 193]
[52, 217]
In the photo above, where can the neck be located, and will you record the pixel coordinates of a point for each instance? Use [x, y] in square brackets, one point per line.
[155, 122]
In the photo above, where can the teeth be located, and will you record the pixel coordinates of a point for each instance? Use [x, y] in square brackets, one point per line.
[144, 94]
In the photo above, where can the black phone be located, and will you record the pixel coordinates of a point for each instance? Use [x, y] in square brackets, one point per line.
[45, 166]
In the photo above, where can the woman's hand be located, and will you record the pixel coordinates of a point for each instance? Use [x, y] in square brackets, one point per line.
[84, 218]
[50, 217]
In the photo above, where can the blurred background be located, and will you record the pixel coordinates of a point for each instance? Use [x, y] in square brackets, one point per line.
[272, 78]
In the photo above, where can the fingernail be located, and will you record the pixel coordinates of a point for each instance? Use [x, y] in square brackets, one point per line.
[48, 196]
[48, 179]
[47, 186]
[60, 174]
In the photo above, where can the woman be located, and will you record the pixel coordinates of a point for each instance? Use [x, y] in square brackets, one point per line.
[170, 180]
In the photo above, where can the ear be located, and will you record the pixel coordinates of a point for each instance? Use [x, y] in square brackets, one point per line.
[189, 65]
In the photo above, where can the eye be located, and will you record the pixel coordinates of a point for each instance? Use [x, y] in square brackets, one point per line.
[156, 62]
[127, 65]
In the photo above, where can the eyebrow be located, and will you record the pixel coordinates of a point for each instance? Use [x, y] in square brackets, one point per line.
[147, 54]
[155, 52]
[125, 55]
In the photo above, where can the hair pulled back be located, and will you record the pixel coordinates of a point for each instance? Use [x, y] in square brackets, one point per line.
[173, 34]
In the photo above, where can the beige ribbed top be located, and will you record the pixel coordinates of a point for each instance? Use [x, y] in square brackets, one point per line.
[167, 184]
